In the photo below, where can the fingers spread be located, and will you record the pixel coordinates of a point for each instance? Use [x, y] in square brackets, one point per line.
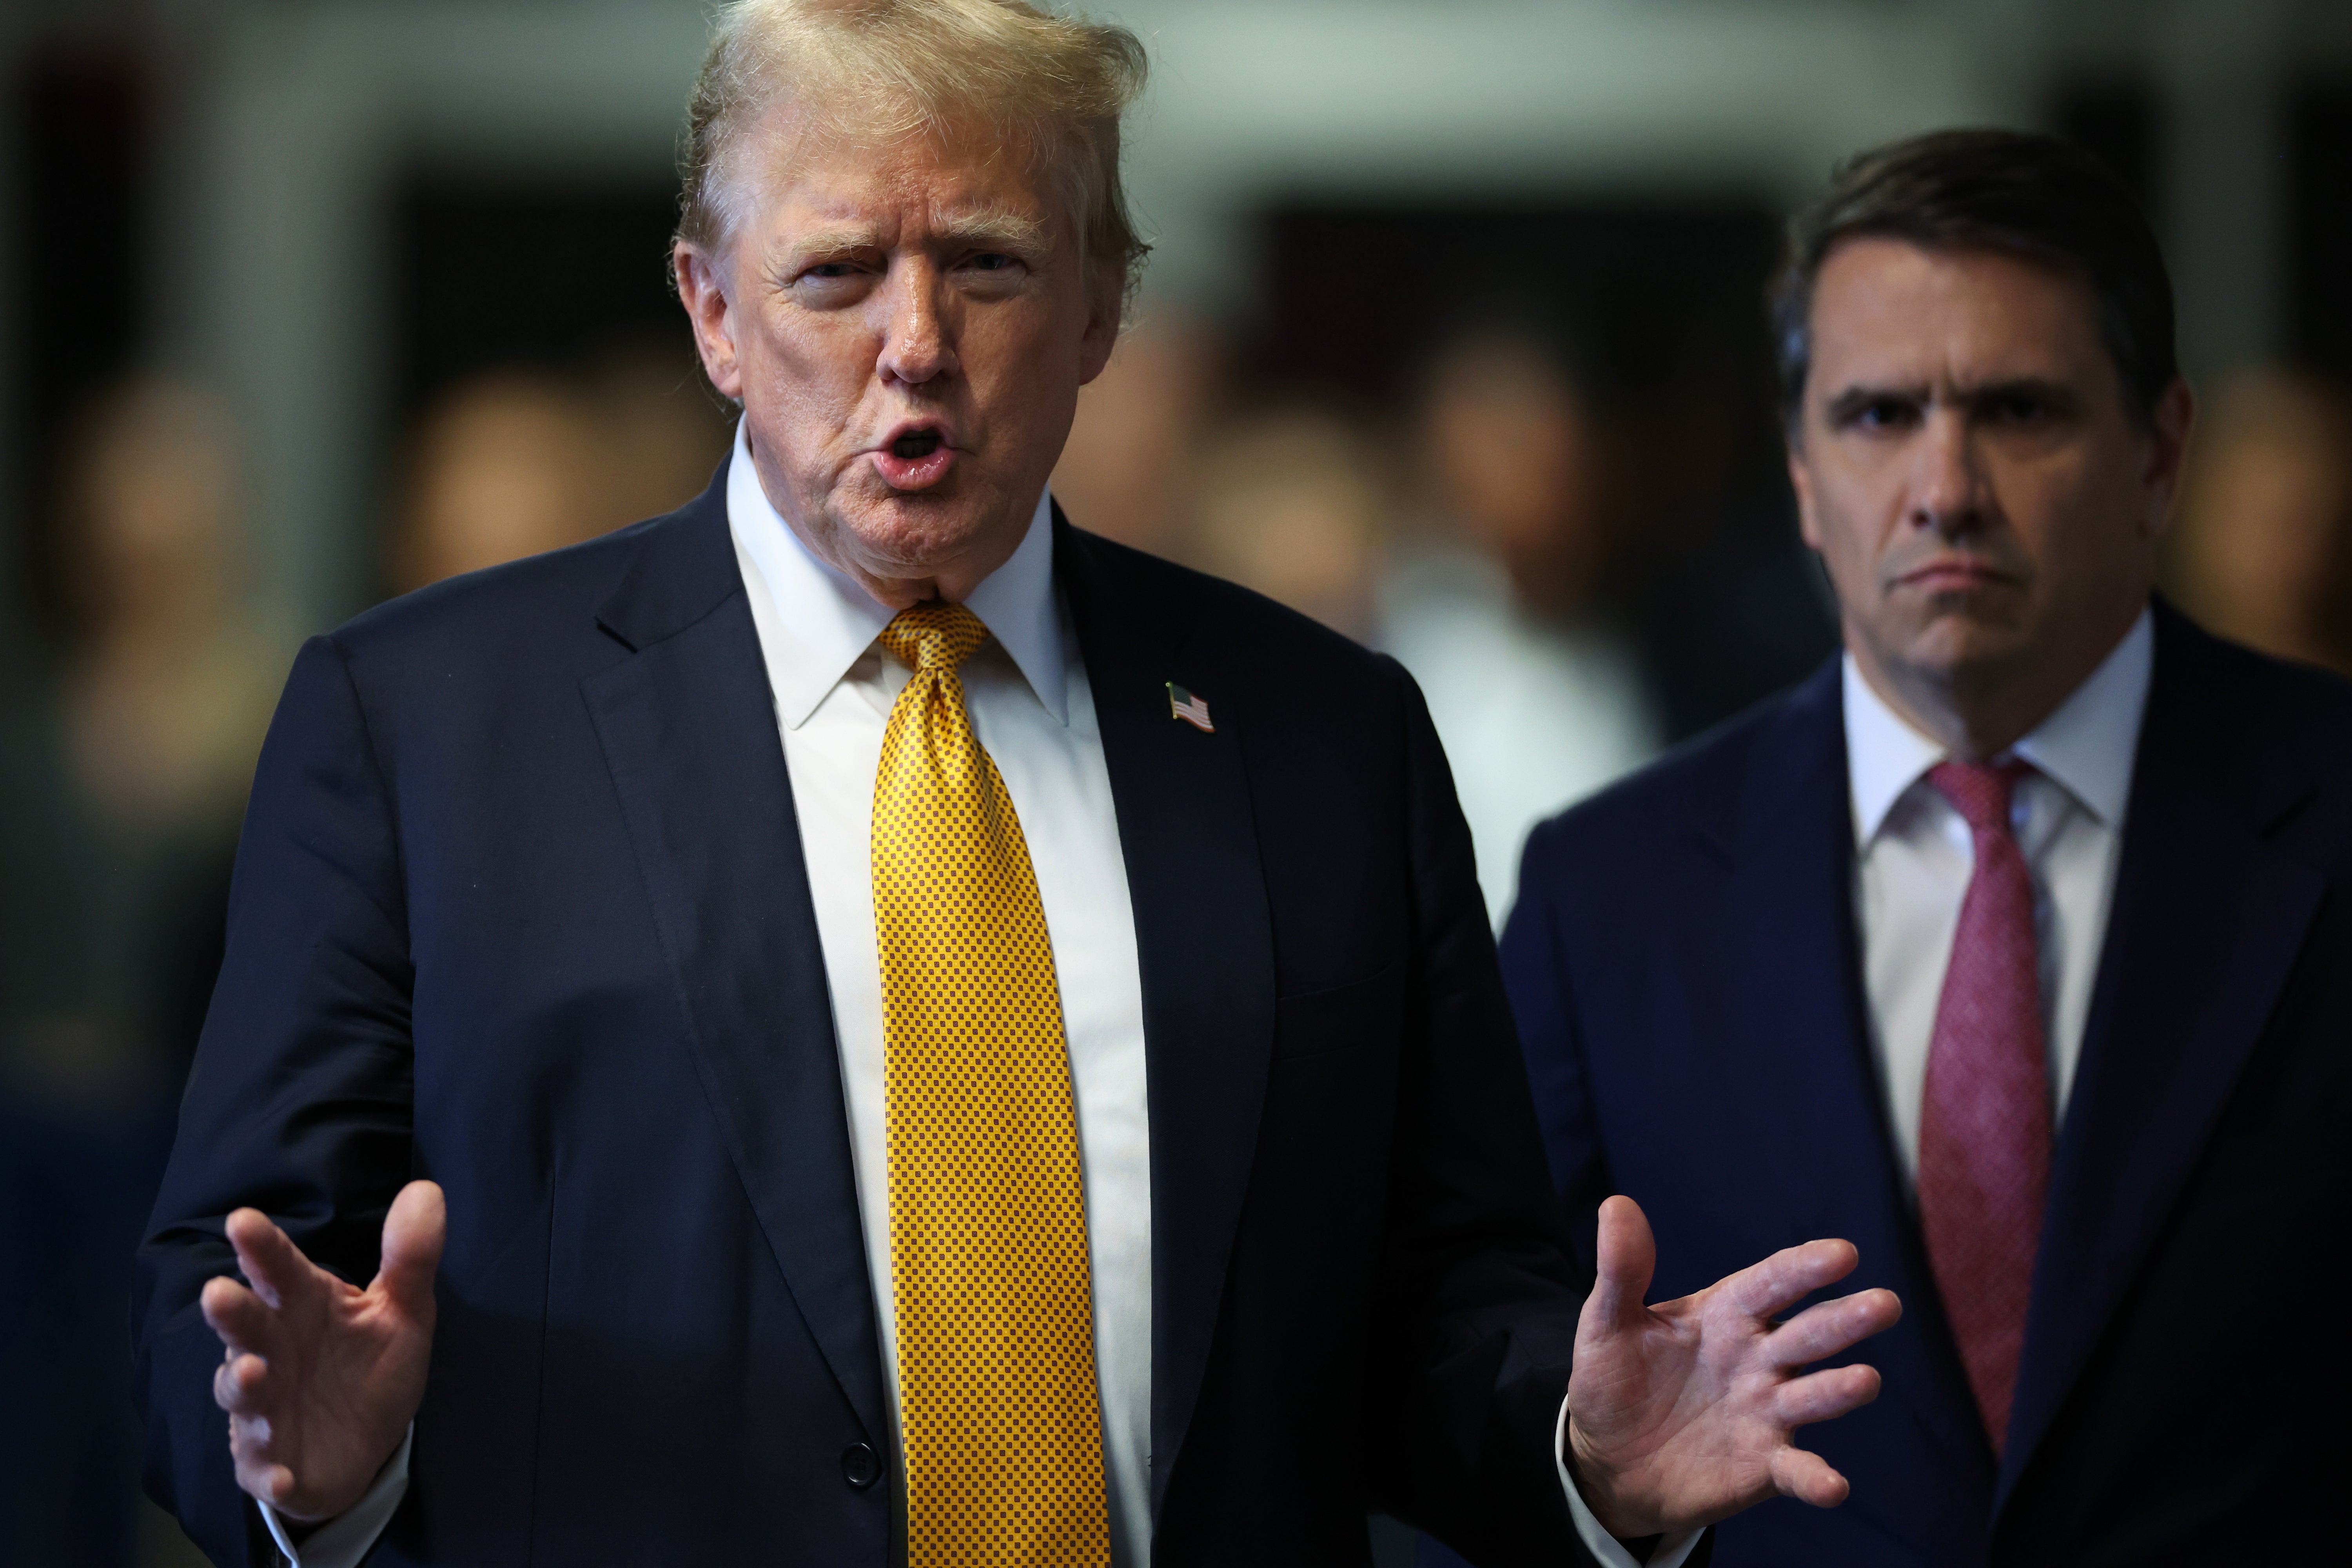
[273, 1265]
[1628, 1256]
[1789, 1276]
[1824, 1396]
[235, 1313]
[259, 1472]
[241, 1383]
[1828, 1328]
[1808, 1477]
[412, 1232]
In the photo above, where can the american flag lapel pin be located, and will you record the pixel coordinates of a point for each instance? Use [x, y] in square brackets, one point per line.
[1193, 711]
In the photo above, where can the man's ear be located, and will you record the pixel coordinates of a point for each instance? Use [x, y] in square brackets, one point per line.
[1801, 479]
[2175, 413]
[1105, 308]
[702, 290]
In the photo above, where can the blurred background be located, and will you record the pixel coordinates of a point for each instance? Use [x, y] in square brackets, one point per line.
[1452, 339]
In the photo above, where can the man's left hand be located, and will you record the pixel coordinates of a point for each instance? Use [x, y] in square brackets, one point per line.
[1683, 1414]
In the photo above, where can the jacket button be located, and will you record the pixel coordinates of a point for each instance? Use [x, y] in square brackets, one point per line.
[861, 1467]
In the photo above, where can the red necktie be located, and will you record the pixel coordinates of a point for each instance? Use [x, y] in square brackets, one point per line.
[1984, 1128]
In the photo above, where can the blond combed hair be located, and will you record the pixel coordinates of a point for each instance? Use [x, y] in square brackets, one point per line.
[1053, 86]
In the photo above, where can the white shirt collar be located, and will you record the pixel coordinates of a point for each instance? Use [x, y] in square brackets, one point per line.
[827, 622]
[2086, 747]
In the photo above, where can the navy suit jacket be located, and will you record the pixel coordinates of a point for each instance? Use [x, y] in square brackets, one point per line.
[520, 907]
[1683, 960]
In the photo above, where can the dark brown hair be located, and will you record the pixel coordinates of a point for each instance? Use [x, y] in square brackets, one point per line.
[2017, 191]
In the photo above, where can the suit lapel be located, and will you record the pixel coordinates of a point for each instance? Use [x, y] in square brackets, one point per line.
[2206, 924]
[1204, 942]
[687, 725]
[1789, 1041]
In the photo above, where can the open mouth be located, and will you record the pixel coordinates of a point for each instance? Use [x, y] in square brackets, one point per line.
[915, 459]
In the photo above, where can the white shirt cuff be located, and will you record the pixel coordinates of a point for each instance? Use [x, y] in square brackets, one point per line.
[343, 1539]
[1671, 1553]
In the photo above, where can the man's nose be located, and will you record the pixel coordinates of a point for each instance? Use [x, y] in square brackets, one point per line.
[917, 345]
[1948, 490]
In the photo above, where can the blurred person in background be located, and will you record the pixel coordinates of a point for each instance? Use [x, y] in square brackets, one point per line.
[513, 463]
[1294, 501]
[1508, 608]
[664, 430]
[648, 966]
[122, 790]
[172, 683]
[1131, 462]
[502, 466]
[2262, 551]
[2013, 942]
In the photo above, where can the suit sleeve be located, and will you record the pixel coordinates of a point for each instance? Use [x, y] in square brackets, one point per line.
[1480, 1296]
[1535, 977]
[300, 1101]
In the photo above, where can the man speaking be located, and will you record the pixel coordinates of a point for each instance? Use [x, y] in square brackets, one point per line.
[856, 1022]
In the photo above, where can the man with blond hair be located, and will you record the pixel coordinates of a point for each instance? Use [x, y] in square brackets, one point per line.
[856, 1023]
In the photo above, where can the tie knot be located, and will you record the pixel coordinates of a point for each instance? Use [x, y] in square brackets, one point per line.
[1979, 792]
[934, 635]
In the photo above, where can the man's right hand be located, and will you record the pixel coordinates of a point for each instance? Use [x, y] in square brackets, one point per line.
[320, 1380]
[1683, 1412]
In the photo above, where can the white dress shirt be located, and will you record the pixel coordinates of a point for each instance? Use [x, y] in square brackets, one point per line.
[1914, 856]
[1031, 707]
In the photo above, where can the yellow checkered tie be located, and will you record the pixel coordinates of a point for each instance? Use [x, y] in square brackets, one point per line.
[988, 1220]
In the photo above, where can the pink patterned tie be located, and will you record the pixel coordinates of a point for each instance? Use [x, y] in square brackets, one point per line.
[1984, 1129]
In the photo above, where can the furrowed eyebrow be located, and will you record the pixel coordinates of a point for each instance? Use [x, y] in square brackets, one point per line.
[986, 230]
[1846, 404]
[2056, 393]
[993, 230]
[825, 243]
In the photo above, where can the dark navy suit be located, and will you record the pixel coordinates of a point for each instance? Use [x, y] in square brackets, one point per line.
[1683, 962]
[520, 907]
